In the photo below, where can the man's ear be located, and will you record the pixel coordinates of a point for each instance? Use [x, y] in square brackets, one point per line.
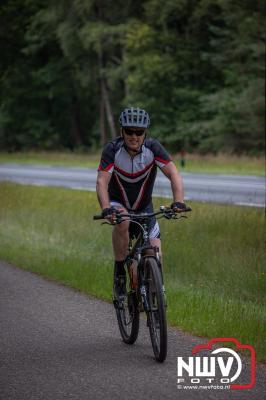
[121, 132]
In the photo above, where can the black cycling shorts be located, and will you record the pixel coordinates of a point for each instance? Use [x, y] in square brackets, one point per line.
[134, 229]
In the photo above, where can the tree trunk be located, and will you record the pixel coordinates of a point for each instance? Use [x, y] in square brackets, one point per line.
[75, 124]
[102, 117]
[126, 87]
[109, 113]
[106, 106]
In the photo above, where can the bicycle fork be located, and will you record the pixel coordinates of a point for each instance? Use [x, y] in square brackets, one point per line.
[145, 302]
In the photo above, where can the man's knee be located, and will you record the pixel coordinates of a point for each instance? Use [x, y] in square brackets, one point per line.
[122, 228]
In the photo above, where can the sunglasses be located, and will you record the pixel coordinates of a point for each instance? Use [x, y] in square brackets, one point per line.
[131, 132]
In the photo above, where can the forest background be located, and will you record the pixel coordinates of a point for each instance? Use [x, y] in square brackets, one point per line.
[69, 67]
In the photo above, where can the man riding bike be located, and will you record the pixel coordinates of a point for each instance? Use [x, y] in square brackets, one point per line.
[125, 182]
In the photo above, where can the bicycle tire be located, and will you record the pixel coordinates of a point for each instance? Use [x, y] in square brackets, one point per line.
[156, 315]
[128, 317]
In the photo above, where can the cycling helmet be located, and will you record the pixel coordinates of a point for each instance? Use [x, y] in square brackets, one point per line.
[134, 117]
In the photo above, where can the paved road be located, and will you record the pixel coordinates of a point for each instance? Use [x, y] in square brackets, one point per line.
[56, 343]
[241, 190]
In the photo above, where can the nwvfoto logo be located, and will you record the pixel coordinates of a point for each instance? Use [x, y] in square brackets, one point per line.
[220, 366]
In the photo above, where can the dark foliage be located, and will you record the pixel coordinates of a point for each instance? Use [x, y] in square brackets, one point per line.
[69, 67]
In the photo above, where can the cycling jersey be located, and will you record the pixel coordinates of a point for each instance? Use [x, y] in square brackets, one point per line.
[133, 177]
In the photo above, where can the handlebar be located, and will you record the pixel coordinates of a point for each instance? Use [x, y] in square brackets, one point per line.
[166, 212]
[95, 217]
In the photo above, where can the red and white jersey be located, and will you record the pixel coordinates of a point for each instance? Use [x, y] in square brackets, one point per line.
[133, 177]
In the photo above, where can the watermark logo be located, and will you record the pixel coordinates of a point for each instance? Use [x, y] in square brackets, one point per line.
[219, 368]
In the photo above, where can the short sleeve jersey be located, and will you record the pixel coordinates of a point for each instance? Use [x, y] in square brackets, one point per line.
[133, 177]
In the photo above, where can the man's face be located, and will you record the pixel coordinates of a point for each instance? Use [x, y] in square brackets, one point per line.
[134, 138]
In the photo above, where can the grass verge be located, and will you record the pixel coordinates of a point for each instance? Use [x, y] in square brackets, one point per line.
[54, 158]
[214, 266]
[220, 164]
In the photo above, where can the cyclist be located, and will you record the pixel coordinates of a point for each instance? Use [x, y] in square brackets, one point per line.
[125, 181]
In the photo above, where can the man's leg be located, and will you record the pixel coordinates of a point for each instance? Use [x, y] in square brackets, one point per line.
[154, 234]
[157, 242]
[120, 238]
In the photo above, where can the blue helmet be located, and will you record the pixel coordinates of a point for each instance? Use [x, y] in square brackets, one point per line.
[134, 117]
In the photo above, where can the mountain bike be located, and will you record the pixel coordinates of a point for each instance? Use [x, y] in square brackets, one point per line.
[144, 282]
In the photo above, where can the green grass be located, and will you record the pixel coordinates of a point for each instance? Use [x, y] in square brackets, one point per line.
[220, 164]
[224, 164]
[72, 159]
[214, 262]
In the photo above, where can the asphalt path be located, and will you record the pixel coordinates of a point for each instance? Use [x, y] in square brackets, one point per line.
[56, 343]
[227, 189]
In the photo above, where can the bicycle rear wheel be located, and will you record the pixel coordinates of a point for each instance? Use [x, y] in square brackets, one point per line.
[156, 315]
[127, 314]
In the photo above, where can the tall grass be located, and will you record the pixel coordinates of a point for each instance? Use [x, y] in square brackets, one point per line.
[214, 262]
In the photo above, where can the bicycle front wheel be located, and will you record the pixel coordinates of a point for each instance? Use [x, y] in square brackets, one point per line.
[156, 315]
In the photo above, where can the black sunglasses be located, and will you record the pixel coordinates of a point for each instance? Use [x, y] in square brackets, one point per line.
[131, 132]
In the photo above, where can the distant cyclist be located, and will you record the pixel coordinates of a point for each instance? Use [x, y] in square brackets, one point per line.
[125, 182]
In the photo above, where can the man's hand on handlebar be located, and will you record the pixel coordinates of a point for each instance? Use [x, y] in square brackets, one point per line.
[110, 214]
[178, 206]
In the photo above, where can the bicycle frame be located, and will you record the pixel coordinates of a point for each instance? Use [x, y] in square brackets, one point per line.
[142, 243]
[140, 249]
